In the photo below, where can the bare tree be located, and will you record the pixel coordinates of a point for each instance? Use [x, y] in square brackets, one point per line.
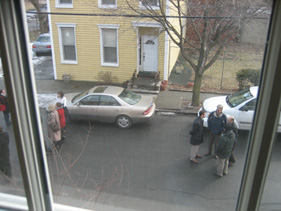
[202, 28]
[43, 18]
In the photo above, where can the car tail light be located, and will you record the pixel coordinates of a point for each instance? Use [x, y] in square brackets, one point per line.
[33, 46]
[147, 111]
[48, 46]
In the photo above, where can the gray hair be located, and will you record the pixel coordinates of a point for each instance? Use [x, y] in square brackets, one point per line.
[219, 106]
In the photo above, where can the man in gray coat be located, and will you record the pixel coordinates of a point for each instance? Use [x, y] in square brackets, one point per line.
[224, 149]
[196, 136]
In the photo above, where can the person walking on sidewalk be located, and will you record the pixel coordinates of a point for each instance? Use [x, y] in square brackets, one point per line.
[5, 165]
[196, 136]
[224, 149]
[230, 120]
[4, 106]
[216, 122]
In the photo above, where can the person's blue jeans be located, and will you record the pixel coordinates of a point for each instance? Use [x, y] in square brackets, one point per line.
[7, 118]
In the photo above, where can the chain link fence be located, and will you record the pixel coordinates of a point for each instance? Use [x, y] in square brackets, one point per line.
[222, 74]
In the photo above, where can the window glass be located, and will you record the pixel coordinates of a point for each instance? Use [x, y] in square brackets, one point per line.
[270, 199]
[68, 42]
[65, 1]
[90, 100]
[108, 2]
[99, 166]
[108, 101]
[11, 181]
[239, 97]
[110, 45]
[150, 3]
[43, 39]
[251, 105]
[130, 97]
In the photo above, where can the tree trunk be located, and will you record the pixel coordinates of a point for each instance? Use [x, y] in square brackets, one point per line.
[196, 89]
[43, 21]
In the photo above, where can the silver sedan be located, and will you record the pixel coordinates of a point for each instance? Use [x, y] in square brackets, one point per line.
[42, 44]
[110, 104]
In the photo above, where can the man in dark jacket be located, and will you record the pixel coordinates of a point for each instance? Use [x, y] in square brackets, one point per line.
[5, 166]
[224, 149]
[230, 120]
[196, 136]
[216, 122]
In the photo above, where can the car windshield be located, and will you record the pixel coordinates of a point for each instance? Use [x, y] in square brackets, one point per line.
[79, 96]
[239, 97]
[43, 39]
[130, 97]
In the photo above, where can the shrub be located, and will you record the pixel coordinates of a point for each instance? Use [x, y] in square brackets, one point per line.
[247, 78]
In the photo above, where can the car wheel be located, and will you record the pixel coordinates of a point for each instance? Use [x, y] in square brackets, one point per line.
[123, 121]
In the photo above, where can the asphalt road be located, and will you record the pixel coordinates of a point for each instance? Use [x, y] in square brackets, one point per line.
[146, 167]
[44, 70]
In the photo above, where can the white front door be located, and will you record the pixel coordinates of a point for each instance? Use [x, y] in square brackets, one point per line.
[149, 54]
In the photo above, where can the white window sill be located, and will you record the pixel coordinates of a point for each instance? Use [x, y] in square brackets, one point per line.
[69, 62]
[64, 6]
[108, 7]
[110, 65]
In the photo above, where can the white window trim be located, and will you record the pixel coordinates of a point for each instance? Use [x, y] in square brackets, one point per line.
[107, 6]
[108, 26]
[59, 5]
[137, 24]
[70, 25]
[142, 7]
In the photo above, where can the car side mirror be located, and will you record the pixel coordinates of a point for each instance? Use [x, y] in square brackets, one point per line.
[78, 103]
[244, 108]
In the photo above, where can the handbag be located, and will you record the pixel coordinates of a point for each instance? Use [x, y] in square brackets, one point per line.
[2, 106]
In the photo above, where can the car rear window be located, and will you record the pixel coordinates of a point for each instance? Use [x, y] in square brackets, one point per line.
[100, 89]
[130, 97]
[43, 39]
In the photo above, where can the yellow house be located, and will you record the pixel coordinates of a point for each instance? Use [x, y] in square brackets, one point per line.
[102, 41]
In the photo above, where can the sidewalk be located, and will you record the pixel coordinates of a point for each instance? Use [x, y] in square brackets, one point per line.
[166, 101]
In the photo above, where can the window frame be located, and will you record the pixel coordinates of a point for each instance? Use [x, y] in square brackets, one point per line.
[103, 6]
[63, 5]
[109, 26]
[143, 7]
[67, 25]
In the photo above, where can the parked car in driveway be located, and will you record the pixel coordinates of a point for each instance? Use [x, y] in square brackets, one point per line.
[42, 45]
[241, 105]
[110, 104]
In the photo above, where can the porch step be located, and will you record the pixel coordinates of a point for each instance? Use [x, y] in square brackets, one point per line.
[145, 85]
[147, 74]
